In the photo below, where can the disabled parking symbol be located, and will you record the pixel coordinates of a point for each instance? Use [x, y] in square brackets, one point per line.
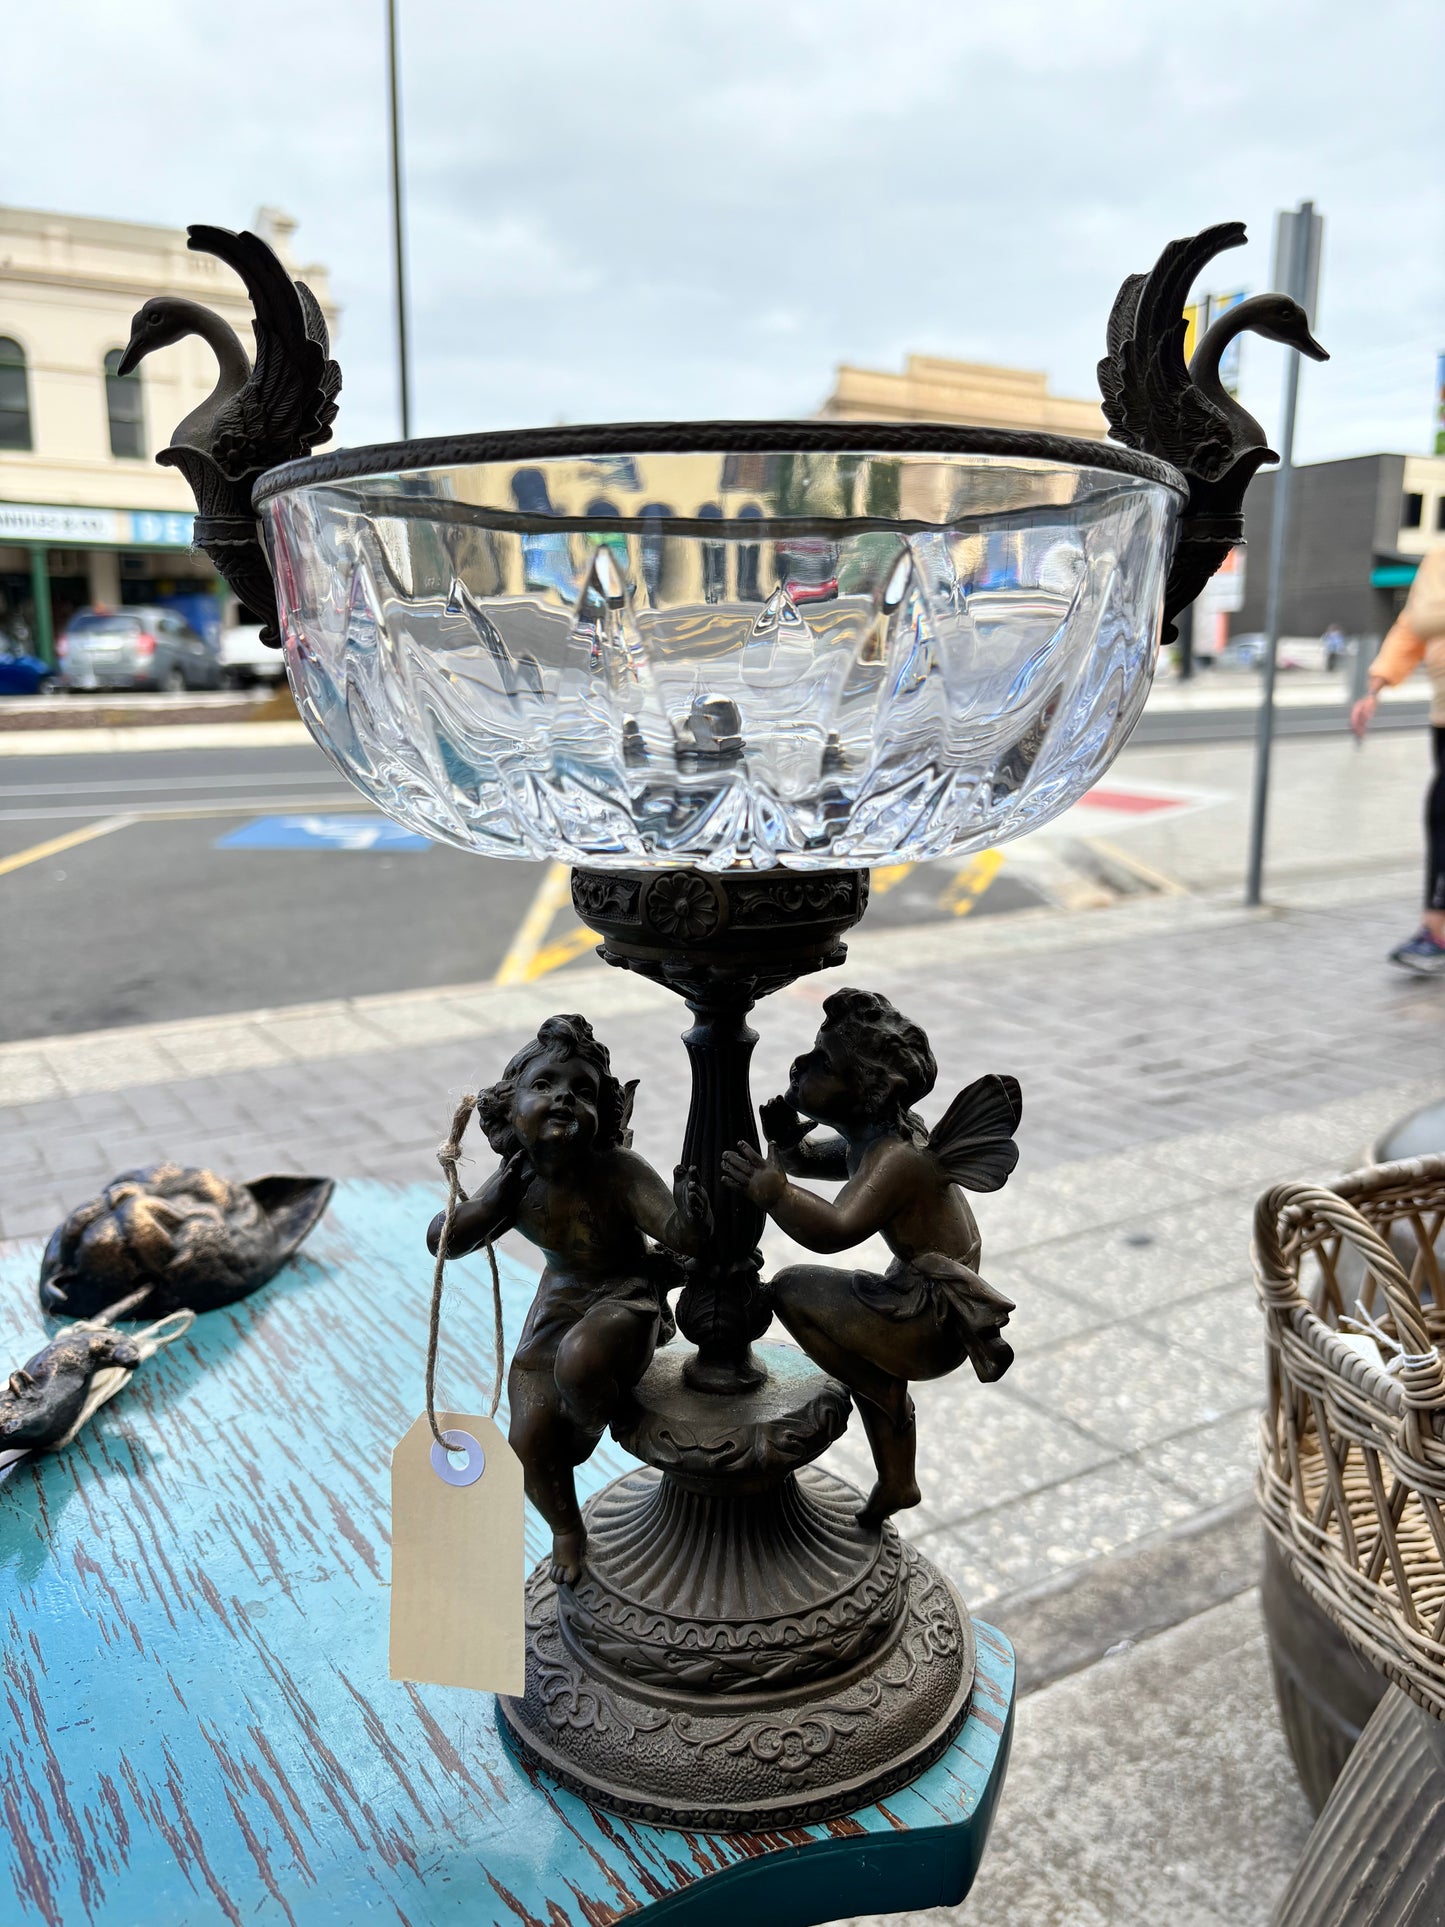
[355, 830]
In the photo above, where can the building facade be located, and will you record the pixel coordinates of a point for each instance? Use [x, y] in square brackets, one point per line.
[932, 389]
[86, 516]
[1357, 531]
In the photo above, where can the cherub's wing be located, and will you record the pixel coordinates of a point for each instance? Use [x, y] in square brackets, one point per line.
[629, 1098]
[974, 1139]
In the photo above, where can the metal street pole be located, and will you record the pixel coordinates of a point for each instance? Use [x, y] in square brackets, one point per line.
[398, 232]
[1297, 268]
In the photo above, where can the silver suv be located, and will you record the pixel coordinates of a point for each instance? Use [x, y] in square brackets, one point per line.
[135, 648]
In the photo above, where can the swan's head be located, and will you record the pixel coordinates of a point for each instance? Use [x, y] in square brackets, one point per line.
[1280, 319]
[162, 321]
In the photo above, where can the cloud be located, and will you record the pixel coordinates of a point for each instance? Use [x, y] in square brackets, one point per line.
[642, 209]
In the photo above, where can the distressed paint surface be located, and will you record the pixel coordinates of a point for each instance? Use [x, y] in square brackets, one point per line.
[198, 1724]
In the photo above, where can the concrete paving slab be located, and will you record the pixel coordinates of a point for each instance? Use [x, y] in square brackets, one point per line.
[1047, 1533]
[1154, 1786]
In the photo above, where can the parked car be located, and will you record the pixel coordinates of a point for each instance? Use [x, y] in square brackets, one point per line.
[135, 648]
[809, 568]
[246, 660]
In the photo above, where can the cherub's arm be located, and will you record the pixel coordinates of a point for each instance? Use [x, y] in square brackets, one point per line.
[816, 1157]
[787, 1133]
[486, 1214]
[867, 1203]
[680, 1219]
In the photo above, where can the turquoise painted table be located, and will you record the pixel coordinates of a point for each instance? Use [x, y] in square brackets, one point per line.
[199, 1726]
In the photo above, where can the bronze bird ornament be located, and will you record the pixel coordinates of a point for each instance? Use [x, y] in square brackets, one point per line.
[167, 1237]
[43, 1401]
[258, 414]
[1181, 412]
[47, 1401]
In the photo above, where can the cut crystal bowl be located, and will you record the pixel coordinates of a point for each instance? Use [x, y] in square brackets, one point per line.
[814, 644]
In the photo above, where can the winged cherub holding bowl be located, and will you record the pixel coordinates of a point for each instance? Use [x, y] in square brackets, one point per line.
[930, 1310]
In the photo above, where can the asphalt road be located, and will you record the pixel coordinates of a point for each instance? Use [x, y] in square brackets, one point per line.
[117, 907]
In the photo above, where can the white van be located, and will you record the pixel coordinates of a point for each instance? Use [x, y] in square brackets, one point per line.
[246, 660]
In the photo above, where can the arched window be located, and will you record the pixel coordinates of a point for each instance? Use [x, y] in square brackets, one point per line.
[123, 406]
[14, 396]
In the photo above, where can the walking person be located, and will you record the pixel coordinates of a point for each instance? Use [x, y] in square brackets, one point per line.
[1418, 635]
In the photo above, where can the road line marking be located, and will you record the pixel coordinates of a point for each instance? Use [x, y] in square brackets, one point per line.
[564, 951]
[882, 880]
[169, 783]
[38, 852]
[211, 806]
[553, 892]
[1146, 873]
[969, 884]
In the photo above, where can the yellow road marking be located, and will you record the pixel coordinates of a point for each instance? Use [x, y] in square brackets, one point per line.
[553, 955]
[553, 892]
[38, 852]
[969, 884]
[882, 880]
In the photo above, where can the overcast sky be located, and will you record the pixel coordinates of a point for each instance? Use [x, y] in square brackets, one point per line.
[669, 208]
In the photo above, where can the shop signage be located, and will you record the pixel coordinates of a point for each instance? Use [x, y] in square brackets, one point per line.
[75, 528]
[22, 522]
[160, 528]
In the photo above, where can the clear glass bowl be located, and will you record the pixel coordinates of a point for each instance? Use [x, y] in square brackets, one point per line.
[808, 653]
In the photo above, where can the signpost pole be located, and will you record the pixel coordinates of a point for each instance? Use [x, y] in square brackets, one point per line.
[1296, 273]
[398, 225]
[40, 596]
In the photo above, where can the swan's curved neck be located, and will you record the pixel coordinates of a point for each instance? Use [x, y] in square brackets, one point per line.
[1204, 365]
[234, 370]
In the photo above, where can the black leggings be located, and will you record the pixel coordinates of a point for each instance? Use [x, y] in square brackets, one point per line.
[1435, 826]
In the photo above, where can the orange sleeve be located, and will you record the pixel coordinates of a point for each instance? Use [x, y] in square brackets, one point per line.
[1401, 652]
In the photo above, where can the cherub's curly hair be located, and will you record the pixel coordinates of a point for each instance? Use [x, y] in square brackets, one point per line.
[896, 1067]
[558, 1037]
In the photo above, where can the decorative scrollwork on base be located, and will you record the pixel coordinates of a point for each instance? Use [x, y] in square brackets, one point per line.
[791, 1758]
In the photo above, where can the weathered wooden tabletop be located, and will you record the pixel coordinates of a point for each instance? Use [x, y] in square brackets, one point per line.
[200, 1725]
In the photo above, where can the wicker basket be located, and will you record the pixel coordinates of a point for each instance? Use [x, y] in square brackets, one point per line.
[1352, 1447]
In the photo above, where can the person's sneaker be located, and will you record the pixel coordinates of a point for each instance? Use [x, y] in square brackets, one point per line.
[1420, 953]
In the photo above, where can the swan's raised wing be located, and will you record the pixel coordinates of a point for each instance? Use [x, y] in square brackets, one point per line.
[974, 1139]
[288, 404]
[1149, 399]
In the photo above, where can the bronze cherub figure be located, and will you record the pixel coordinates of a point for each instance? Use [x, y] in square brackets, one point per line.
[570, 1183]
[930, 1310]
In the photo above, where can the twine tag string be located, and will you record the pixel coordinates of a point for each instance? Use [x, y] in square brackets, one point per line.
[1396, 1357]
[448, 1158]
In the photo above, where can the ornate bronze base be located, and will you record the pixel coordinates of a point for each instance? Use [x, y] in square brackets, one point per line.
[740, 1653]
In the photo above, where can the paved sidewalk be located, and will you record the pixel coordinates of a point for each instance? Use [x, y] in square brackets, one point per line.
[1176, 1055]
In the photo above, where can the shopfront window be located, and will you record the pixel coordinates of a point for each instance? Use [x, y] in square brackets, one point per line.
[14, 396]
[123, 406]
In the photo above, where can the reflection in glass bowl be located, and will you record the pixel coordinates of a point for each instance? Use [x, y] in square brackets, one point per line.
[820, 657]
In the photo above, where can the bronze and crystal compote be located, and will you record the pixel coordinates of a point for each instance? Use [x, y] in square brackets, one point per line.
[722, 669]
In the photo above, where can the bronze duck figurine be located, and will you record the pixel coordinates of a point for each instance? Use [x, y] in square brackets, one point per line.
[1183, 413]
[256, 416]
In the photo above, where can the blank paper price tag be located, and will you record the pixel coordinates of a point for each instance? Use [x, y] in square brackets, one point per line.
[457, 1613]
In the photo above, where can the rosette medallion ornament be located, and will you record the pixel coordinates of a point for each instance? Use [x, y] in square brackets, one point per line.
[722, 669]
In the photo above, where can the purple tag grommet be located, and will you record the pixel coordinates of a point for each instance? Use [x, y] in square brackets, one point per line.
[467, 1474]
